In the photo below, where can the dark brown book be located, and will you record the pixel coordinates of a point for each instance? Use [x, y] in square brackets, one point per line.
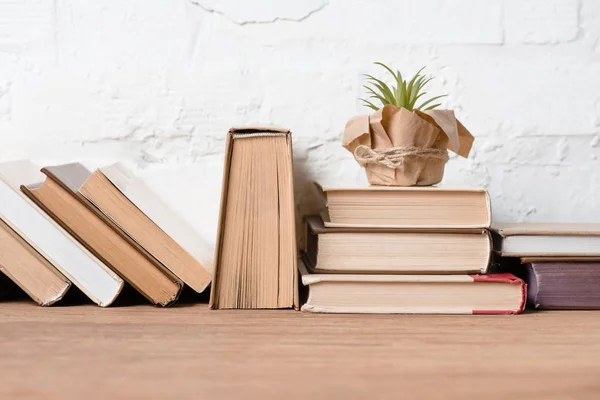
[563, 285]
[59, 197]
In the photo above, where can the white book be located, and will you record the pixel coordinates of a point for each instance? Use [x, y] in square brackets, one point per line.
[169, 221]
[68, 256]
[547, 239]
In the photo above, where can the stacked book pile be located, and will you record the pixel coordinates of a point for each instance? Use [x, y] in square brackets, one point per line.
[560, 262]
[404, 250]
[63, 226]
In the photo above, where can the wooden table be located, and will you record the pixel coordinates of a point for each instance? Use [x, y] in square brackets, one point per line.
[141, 352]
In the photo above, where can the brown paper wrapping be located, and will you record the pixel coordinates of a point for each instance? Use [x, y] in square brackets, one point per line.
[393, 126]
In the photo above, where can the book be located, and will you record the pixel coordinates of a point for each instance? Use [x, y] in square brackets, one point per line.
[255, 257]
[413, 294]
[563, 285]
[392, 250]
[52, 242]
[139, 213]
[58, 196]
[29, 270]
[406, 207]
[532, 240]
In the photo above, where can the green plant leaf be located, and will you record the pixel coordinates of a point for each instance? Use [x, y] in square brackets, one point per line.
[377, 96]
[409, 89]
[389, 69]
[369, 104]
[433, 106]
[383, 88]
[429, 101]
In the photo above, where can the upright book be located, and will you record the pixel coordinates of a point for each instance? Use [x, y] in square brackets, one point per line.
[413, 294]
[52, 242]
[29, 270]
[255, 258]
[550, 240]
[396, 251]
[58, 195]
[140, 214]
[406, 207]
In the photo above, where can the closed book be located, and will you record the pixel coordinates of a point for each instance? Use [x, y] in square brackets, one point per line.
[546, 239]
[58, 195]
[29, 270]
[405, 207]
[563, 285]
[140, 214]
[396, 251]
[255, 256]
[49, 239]
[413, 294]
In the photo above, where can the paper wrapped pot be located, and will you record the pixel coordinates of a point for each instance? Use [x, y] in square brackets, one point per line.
[398, 147]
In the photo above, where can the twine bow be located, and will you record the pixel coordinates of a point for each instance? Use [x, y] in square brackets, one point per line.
[394, 157]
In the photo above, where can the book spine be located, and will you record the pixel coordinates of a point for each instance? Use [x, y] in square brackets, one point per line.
[502, 278]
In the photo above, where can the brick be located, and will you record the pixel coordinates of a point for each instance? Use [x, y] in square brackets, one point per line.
[541, 21]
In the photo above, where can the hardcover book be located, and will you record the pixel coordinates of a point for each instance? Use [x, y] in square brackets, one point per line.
[58, 196]
[255, 258]
[29, 270]
[546, 240]
[406, 207]
[413, 294]
[563, 285]
[50, 240]
[396, 251]
[138, 212]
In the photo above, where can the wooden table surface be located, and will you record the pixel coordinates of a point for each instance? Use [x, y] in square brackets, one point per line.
[142, 352]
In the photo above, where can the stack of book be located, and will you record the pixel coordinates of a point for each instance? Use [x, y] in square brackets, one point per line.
[560, 262]
[63, 226]
[404, 250]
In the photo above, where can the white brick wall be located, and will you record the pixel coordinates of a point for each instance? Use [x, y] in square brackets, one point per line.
[157, 83]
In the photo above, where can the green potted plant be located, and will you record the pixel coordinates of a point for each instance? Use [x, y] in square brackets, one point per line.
[405, 141]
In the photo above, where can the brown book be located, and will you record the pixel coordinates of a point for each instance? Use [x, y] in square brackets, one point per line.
[58, 196]
[255, 258]
[546, 239]
[396, 251]
[406, 207]
[133, 222]
[413, 294]
[29, 270]
[563, 285]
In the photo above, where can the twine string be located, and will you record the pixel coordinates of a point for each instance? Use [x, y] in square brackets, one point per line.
[394, 157]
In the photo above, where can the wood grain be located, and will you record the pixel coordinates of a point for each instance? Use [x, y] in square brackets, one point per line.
[142, 352]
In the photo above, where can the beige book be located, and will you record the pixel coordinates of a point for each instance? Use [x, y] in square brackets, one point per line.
[406, 207]
[130, 218]
[396, 251]
[58, 196]
[29, 270]
[546, 239]
[255, 257]
[413, 294]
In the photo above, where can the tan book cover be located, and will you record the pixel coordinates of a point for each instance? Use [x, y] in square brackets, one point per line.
[546, 239]
[255, 255]
[405, 207]
[133, 222]
[413, 294]
[58, 196]
[396, 250]
[29, 270]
